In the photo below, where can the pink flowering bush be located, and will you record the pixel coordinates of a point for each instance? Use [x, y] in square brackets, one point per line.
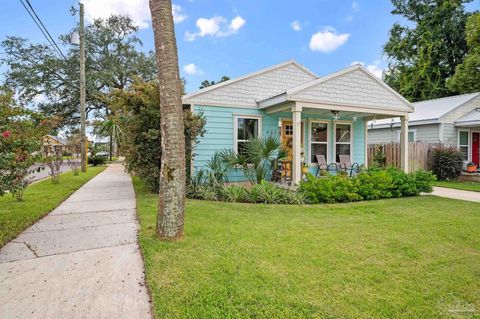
[21, 137]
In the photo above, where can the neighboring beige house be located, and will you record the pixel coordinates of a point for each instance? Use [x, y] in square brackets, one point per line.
[453, 120]
[52, 144]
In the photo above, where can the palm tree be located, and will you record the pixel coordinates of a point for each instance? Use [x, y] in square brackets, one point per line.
[171, 204]
[258, 158]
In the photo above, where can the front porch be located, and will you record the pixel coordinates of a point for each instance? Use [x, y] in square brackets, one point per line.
[329, 118]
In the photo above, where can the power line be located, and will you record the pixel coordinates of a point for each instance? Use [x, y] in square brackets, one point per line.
[42, 27]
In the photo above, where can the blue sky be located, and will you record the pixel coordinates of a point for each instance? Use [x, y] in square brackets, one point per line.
[235, 37]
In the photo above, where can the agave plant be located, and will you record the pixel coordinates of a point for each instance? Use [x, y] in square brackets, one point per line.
[258, 158]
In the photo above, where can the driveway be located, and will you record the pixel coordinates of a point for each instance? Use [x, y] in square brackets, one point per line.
[80, 261]
[456, 194]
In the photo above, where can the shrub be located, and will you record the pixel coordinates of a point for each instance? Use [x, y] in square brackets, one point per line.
[234, 194]
[258, 158]
[424, 181]
[138, 108]
[206, 192]
[447, 162]
[96, 160]
[375, 184]
[328, 190]
[368, 185]
[267, 193]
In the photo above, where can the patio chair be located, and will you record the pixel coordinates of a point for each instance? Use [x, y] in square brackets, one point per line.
[322, 164]
[347, 166]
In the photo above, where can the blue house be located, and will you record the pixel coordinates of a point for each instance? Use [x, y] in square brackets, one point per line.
[315, 115]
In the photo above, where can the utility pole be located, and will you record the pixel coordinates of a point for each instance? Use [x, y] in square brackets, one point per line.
[82, 94]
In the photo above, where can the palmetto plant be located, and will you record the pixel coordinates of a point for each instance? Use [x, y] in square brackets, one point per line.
[257, 159]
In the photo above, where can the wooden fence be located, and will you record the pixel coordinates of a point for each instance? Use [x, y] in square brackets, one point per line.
[419, 155]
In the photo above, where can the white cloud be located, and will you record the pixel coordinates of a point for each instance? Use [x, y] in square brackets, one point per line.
[236, 24]
[192, 69]
[327, 40]
[216, 26]
[138, 10]
[355, 6]
[178, 13]
[296, 25]
[374, 68]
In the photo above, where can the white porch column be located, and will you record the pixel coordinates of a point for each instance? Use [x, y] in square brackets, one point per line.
[297, 143]
[404, 142]
[365, 134]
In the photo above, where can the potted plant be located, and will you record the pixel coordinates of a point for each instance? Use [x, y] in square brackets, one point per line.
[305, 168]
[471, 167]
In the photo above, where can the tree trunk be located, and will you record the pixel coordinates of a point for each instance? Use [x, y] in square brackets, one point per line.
[171, 202]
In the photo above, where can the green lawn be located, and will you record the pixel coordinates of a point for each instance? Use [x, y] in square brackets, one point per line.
[39, 199]
[400, 258]
[466, 186]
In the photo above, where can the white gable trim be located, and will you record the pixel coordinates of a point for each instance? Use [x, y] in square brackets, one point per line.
[459, 106]
[190, 96]
[294, 91]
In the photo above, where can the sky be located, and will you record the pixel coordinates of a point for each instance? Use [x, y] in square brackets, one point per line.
[236, 37]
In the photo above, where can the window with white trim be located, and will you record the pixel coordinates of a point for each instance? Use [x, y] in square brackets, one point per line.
[246, 128]
[343, 140]
[318, 140]
[464, 143]
[412, 135]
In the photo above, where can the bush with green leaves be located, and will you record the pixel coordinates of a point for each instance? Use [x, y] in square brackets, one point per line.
[375, 184]
[369, 185]
[137, 110]
[234, 194]
[270, 193]
[258, 158]
[97, 160]
[447, 162]
[330, 189]
[21, 134]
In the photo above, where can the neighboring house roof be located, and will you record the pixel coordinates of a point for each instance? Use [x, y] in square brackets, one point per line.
[352, 87]
[55, 138]
[430, 111]
[247, 90]
[471, 118]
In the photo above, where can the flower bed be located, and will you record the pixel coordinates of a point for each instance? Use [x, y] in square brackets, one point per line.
[369, 185]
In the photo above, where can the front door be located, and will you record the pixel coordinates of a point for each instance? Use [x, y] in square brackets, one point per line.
[475, 147]
[287, 136]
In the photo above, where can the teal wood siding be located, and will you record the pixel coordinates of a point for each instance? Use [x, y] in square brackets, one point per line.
[220, 125]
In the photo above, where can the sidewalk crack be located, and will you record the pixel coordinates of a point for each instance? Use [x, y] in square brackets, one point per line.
[31, 249]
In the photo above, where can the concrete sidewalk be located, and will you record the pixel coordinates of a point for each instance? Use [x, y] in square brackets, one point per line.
[456, 194]
[80, 261]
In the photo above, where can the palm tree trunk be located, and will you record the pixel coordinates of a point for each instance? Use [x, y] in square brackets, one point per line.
[171, 202]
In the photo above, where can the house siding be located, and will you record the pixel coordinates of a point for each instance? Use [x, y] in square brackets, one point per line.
[463, 110]
[425, 133]
[220, 134]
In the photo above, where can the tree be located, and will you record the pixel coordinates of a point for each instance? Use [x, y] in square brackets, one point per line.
[207, 83]
[138, 117]
[171, 204]
[21, 133]
[467, 74]
[423, 54]
[112, 62]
